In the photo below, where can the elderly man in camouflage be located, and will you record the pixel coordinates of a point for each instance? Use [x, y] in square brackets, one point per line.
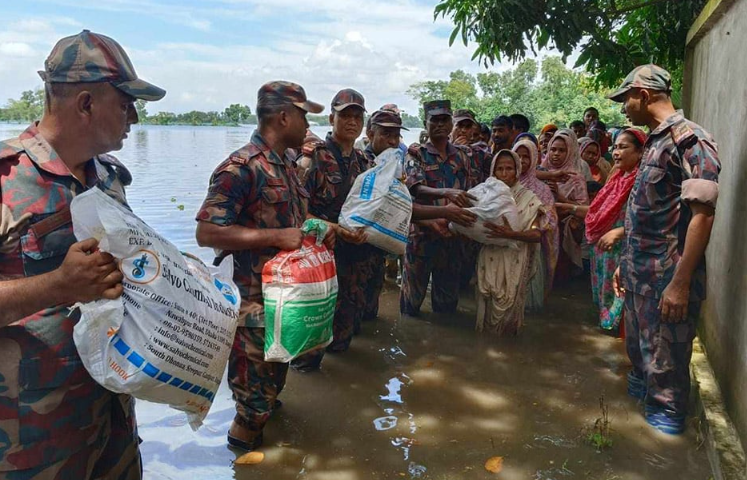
[56, 422]
[254, 208]
[667, 228]
[328, 170]
[438, 173]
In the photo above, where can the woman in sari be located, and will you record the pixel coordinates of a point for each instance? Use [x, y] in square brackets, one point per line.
[591, 154]
[503, 272]
[543, 269]
[563, 156]
[604, 226]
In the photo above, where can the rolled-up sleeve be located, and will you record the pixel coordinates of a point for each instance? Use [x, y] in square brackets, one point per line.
[701, 161]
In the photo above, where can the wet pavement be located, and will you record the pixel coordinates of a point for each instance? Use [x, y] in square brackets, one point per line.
[430, 398]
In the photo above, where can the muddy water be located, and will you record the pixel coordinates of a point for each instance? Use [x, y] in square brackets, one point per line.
[430, 398]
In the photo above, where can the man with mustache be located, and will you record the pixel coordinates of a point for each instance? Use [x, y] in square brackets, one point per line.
[55, 420]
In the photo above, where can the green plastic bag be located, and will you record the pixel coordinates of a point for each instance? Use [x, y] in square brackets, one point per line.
[299, 288]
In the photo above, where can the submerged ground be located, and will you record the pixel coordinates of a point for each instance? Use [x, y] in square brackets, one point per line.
[431, 398]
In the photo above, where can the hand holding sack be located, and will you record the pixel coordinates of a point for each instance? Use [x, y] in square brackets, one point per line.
[299, 288]
[380, 203]
[494, 203]
[168, 337]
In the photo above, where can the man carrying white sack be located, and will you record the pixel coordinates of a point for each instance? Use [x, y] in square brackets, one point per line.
[55, 420]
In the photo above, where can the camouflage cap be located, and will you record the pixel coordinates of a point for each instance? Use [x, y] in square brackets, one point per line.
[437, 107]
[387, 118]
[391, 107]
[279, 93]
[464, 114]
[348, 98]
[645, 76]
[90, 57]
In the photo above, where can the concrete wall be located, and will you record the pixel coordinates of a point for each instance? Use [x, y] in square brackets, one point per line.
[715, 97]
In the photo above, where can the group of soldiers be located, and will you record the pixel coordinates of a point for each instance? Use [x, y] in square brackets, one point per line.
[55, 420]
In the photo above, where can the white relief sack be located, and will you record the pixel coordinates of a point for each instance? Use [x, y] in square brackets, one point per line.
[380, 203]
[168, 337]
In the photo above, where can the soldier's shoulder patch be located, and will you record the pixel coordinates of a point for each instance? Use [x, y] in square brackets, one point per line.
[309, 148]
[414, 150]
[122, 172]
[683, 135]
[245, 154]
[10, 148]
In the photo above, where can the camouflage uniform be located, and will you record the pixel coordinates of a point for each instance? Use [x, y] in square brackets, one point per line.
[55, 420]
[257, 189]
[679, 166]
[328, 178]
[427, 253]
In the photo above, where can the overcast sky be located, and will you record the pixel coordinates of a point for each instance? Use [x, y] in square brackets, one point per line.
[208, 54]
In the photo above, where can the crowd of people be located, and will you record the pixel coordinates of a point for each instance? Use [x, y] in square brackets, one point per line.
[633, 209]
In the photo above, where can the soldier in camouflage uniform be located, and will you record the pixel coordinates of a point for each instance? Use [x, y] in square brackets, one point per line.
[667, 226]
[254, 208]
[438, 173]
[328, 170]
[56, 422]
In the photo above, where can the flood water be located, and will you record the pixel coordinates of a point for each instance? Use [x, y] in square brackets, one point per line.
[425, 398]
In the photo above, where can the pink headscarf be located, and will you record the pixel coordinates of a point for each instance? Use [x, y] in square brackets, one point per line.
[529, 178]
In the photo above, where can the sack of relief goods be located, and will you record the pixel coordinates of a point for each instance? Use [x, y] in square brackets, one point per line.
[494, 203]
[380, 203]
[167, 338]
[299, 289]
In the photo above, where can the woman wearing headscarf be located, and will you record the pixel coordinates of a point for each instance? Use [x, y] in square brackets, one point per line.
[543, 269]
[563, 156]
[604, 226]
[503, 272]
[591, 153]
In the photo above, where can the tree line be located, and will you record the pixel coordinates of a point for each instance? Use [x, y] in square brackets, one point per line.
[30, 107]
[548, 92]
[545, 93]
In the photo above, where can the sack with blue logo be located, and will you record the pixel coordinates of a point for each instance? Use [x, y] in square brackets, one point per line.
[168, 337]
[380, 203]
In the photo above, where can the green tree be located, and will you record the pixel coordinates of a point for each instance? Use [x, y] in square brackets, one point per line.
[142, 113]
[28, 108]
[236, 113]
[552, 93]
[460, 89]
[613, 35]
